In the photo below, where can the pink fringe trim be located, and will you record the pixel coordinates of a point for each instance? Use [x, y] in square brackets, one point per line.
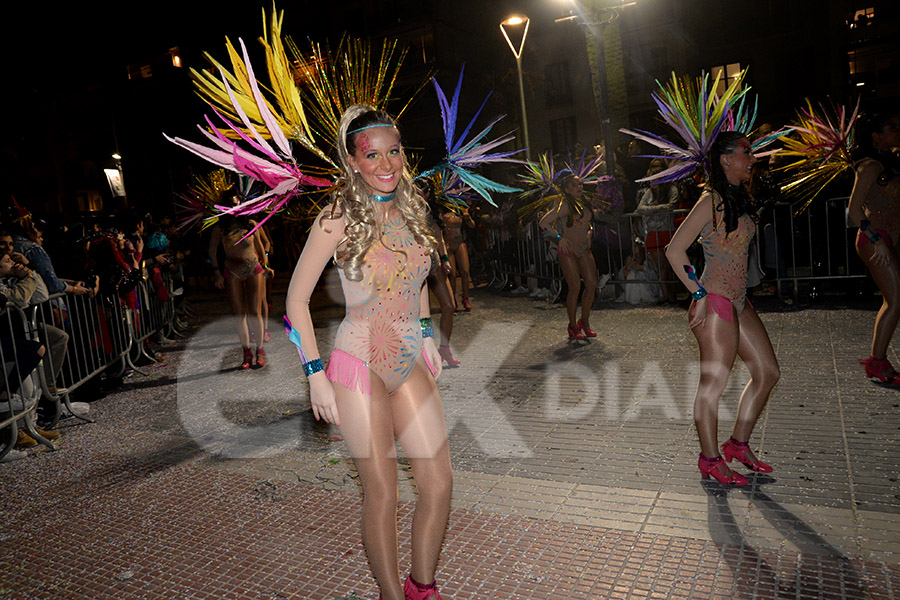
[349, 371]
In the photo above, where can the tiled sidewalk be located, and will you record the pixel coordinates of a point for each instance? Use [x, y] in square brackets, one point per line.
[202, 482]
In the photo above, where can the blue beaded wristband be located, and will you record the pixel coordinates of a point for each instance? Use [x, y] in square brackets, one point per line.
[701, 293]
[313, 366]
[427, 328]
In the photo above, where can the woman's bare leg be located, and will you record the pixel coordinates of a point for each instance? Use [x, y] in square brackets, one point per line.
[571, 273]
[462, 267]
[420, 428]
[755, 349]
[234, 289]
[588, 270]
[887, 277]
[438, 284]
[253, 287]
[451, 278]
[718, 340]
[264, 302]
[368, 429]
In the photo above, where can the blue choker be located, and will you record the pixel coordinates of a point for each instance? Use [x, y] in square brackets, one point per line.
[387, 198]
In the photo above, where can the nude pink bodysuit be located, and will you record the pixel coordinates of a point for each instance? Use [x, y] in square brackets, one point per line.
[882, 207]
[381, 331]
[725, 273]
[579, 234]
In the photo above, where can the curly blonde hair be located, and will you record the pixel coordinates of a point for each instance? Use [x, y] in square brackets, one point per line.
[354, 202]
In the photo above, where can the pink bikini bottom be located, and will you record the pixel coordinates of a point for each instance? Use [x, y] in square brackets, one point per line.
[720, 305]
[250, 266]
[863, 240]
[353, 373]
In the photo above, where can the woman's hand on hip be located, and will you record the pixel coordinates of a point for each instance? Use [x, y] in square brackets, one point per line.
[698, 312]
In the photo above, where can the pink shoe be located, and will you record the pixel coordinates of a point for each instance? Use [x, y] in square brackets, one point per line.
[416, 591]
[267, 336]
[260, 357]
[575, 333]
[444, 351]
[588, 332]
[741, 451]
[718, 470]
[248, 359]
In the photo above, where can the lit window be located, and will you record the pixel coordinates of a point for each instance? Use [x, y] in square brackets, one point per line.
[728, 74]
[863, 17]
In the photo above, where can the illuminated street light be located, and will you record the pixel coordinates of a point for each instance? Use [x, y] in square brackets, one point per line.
[117, 156]
[514, 21]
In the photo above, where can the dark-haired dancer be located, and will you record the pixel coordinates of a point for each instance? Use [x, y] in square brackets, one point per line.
[721, 319]
[875, 207]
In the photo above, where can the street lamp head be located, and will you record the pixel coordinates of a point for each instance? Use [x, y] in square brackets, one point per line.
[515, 20]
[117, 156]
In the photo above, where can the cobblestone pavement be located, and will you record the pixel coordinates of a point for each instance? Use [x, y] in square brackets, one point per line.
[575, 471]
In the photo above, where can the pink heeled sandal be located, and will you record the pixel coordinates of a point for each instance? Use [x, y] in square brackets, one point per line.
[741, 451]
[575, 333]
[716, 468]
[417, 591]
[881, 369]
[444, 351]
[587, 331]
[248, 359]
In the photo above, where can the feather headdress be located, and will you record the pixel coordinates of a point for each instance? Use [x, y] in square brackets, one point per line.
[462, 155]
[353, 74]
[287, 115]
[820, 150]
[542, 180]
[697, 115]
[273, 164]
[199, 200]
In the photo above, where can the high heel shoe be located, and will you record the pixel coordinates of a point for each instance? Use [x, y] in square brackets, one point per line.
[466, 306]
[267, 337]
[882, 369]
[248, 359]
[575, 333]
[416, 591]
[719, 471]
[260, 357]
[588, 332]
[444, 351]
[741, 451]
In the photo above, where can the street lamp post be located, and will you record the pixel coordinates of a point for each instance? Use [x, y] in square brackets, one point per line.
[596, 30]
[510, 22]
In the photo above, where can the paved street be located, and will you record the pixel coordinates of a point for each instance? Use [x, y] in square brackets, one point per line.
[575, 471]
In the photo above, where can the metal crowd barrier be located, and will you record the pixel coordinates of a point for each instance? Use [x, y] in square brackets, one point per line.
[20, 392]
[790, 250]
[82, 336]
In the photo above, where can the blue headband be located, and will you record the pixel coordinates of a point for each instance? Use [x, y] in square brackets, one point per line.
[370, 127]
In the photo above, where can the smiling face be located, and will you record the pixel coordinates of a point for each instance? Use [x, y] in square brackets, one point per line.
[378, 158]
[738, 165]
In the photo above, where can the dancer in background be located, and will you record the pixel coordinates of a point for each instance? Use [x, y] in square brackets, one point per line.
[569, 221]
[875, 208]
[241, 276]
[451, 228]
